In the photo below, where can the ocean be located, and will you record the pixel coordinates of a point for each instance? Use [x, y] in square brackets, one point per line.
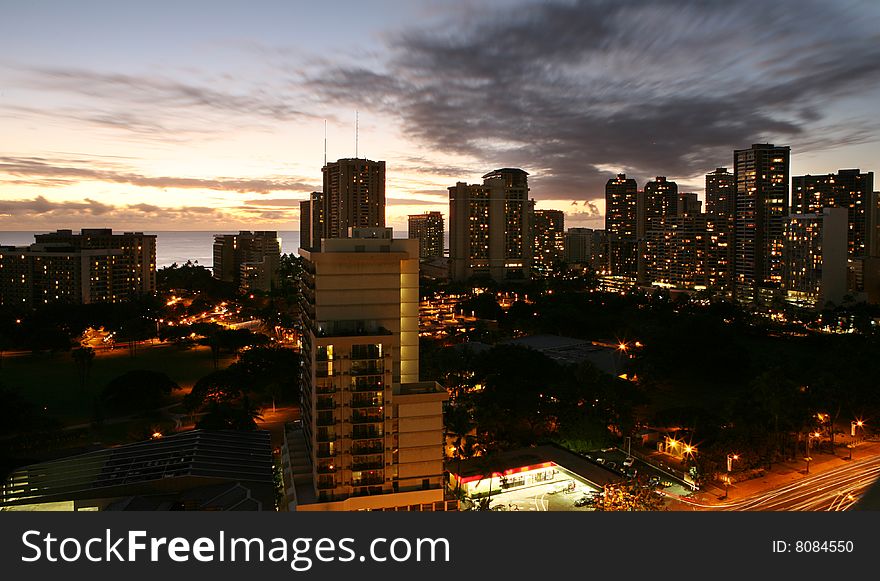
[177, 246]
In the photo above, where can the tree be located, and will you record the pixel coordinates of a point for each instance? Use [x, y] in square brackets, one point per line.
[84, 358]
[230, 415]
[631, 495]
[138, 390]
[226, 385]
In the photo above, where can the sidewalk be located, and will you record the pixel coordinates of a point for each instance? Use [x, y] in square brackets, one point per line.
[784, 473]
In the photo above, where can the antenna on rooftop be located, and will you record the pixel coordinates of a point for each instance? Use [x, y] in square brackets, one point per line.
[355, 134]
[325, 142]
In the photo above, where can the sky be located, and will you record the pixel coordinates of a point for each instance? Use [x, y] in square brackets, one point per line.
[211, 115]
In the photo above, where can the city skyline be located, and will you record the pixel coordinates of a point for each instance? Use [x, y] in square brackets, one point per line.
[111, 128]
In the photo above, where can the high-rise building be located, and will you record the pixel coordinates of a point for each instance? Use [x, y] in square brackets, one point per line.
[588, 247]
[372, 434]
[249, 260]
[549, 228]
[91, 266]
[654, 205]
[720, 193]
[427, 228]
[658, 201]
[621, 224]
[761, 198]
[354, 196]
[848, 188]
[689, 204]
[815, 257]
[490, 227]
[311, 221]
[686, 252]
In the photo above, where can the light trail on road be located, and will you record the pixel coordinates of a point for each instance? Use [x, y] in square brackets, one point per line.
[834, 490]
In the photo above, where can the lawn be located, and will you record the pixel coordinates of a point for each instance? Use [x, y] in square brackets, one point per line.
[51, 380]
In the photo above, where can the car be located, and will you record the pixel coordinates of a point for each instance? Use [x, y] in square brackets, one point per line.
[585, 501]
[628, 462]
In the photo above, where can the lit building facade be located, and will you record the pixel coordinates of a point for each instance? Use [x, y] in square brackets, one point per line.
[720, 193]
[621, 219]
[372, 434]
[549, 228]
[654, 205]
[354, 197]
[848, 188]
[91, 266]
[686, 252]
[815, 257]
[490, 227]
[761, 174]
[427, 228]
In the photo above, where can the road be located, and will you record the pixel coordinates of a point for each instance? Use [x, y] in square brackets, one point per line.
[834, 490]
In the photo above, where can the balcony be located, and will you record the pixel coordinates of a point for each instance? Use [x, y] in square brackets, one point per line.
[373, 465]
[325, 403]
[375, 447]
[324, 451]
[331, 469]
[326, 484]
[362, 384]
[366, 403]
[368, 481]
[325, 420]
[366, 434]
[324, 389]
[357, 418]
[358, 370]
[325, 436]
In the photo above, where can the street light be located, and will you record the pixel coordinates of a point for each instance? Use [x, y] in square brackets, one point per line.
[730, 459]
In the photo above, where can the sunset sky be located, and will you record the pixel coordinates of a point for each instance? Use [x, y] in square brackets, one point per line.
[210, 115]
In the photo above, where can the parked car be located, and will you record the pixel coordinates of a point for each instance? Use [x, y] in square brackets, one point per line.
[628, 462]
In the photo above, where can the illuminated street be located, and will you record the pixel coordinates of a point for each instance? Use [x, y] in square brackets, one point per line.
[837, 489]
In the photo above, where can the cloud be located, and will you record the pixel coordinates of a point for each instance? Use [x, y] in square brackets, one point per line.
[57, 172]
[661, 87]
[41, 212]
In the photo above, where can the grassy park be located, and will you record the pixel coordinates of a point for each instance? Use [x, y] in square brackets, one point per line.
[52, 380]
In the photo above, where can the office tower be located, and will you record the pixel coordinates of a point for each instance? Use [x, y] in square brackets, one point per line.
[761, 198]
[720, 193]
[621, 217]
[848, 188]
[354, 196]
[490, 227]
[549, 228]
[311, 221]
[92, 266]
[427, 228]
[372, 434]
[249, 260]
[689, 204]
[815, 257]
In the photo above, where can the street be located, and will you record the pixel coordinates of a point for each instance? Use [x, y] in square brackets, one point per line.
[836, 489]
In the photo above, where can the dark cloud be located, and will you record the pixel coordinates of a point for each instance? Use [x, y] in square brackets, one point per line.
[43, 171]
[569, 90]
